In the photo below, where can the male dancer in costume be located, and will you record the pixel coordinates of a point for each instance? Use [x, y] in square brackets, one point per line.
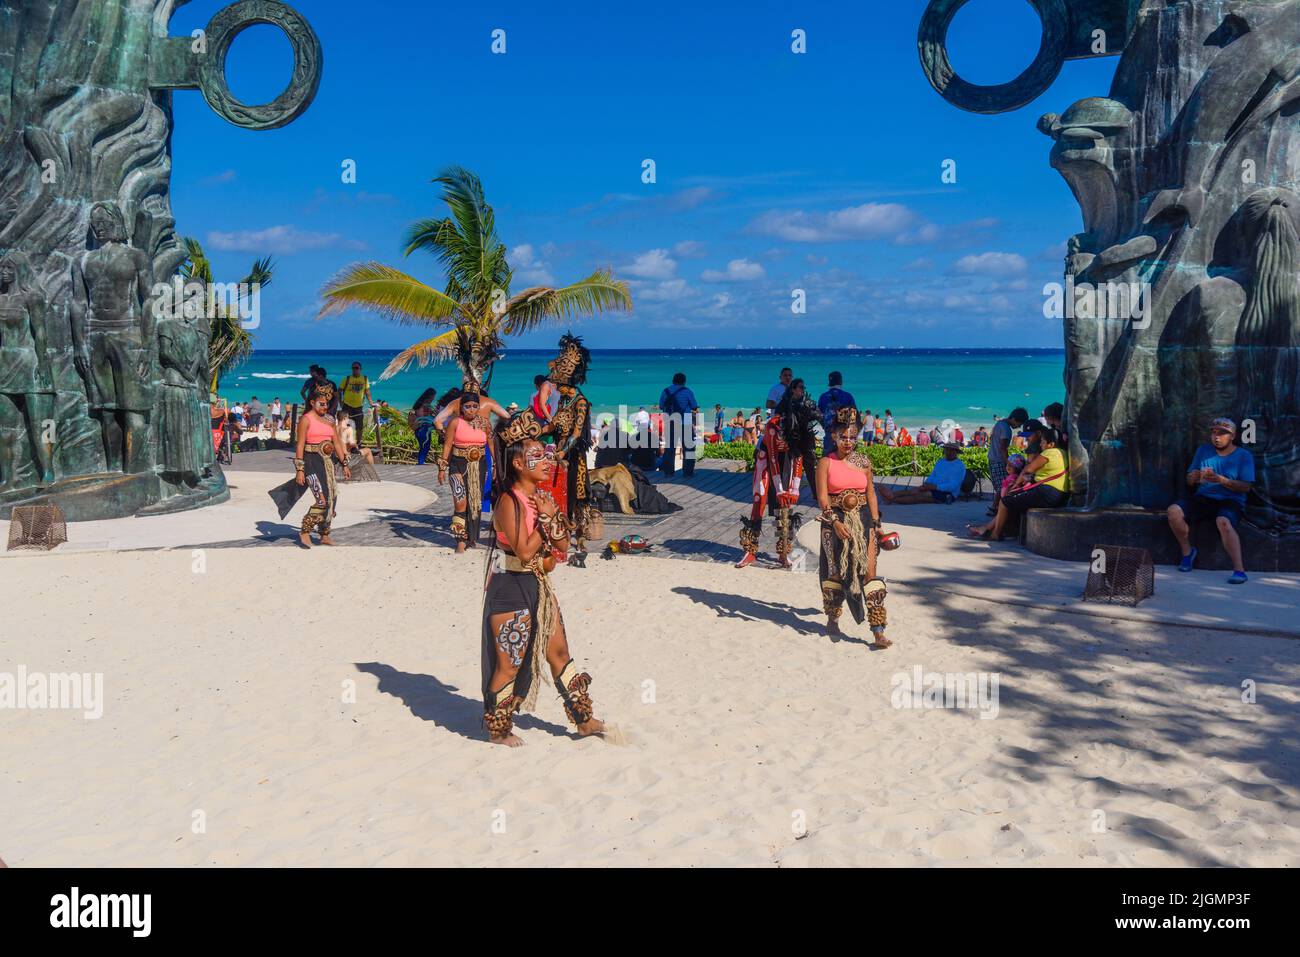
[571, 427]
[786, 451]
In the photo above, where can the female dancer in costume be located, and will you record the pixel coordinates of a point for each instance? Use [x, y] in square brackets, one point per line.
[523, 630]
[850, 524]
[464, 447]
[319, 441]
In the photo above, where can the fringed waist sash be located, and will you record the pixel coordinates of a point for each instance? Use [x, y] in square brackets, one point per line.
[548, 610]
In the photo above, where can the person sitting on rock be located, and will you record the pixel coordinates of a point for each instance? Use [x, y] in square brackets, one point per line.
[1219, 478]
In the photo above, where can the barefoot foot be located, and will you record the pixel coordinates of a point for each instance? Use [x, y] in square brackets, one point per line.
[460, 548]
[746, 561]
[881, 641]
[326, 540]
[833, 629]
[591, 727]
[510, 740]
[304, 540]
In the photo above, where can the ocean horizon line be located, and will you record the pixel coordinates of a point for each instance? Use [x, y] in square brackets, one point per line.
[762, 350]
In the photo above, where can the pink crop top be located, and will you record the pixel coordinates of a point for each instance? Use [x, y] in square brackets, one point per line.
[530, 518]
[318, 431]
[466, 434]
[841, 477]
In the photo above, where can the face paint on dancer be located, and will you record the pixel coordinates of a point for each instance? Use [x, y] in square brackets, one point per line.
[320, 405]
[539, 461]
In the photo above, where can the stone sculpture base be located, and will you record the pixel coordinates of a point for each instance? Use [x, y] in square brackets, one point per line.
[90, 498]
[1071, 534]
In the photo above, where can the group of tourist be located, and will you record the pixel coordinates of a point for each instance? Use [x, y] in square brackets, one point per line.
[875, 429]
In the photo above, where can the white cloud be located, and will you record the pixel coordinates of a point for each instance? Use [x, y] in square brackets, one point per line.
[689, 249]
[225, 176]
[868, 221]
[529, 268]
[279, 240]
[997, 264]
[669, 291]
[655, 264]
[738, 270]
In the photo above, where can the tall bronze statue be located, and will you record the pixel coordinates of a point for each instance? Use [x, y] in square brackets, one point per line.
[1188, 178]
[25, 390]
[113, 338]
[85, 167]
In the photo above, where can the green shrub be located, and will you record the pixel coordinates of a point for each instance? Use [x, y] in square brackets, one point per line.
[737, 451]
[885, 459]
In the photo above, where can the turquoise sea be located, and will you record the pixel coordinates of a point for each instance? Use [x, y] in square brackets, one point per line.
[920, 386]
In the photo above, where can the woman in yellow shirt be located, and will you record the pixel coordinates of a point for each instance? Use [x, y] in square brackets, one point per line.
[1043, 483]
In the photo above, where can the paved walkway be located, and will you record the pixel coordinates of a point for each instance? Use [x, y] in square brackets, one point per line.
[706, 529]
[936, 557]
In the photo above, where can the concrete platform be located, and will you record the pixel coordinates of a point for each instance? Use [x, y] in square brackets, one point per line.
[249, 516]
[937, 555]
[1070, 534]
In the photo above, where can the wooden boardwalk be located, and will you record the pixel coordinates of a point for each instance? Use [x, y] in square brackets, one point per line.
[707, 529]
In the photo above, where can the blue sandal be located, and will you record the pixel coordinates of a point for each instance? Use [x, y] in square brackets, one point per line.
[1237, 578]
[1186, 564]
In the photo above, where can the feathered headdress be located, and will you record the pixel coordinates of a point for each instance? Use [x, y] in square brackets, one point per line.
[570, 366]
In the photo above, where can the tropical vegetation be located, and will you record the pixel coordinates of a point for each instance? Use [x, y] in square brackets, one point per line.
[475, 311]
[230, 343]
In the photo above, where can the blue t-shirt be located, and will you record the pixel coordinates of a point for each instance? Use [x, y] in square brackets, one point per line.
[1240, 466]
[831, 401]
[677, 398]
[948, 476]
[1001, 433]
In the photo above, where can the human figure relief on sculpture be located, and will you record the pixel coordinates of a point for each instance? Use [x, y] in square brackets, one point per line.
[1188, 181]
[101, 398]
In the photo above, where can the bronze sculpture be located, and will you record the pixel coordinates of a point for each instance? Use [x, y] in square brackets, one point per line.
[85, 168]
[1188, 178]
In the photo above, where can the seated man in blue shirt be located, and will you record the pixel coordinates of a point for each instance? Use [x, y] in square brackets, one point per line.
[942, 485]
[1218, 479]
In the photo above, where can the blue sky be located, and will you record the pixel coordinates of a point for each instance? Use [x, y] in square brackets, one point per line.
[775, 171]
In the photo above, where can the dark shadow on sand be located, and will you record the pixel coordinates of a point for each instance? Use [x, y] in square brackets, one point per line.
[432, 700]
[751, 609]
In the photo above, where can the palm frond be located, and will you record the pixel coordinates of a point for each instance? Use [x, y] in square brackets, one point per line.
[468, 245]
[260, 273]
[423, 234]
[389, 292]
[599, 292]
[448, 345]
[196, 267]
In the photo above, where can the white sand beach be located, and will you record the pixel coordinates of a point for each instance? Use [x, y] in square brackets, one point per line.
[746, 737]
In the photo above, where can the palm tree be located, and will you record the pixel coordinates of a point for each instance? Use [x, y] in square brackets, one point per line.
[475, 309]
[229, 343]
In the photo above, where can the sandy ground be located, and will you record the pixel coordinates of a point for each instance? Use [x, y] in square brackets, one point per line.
[230, 735]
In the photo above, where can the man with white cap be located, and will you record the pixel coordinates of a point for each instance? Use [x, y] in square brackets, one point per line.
[1218, 479]
[942, 485]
